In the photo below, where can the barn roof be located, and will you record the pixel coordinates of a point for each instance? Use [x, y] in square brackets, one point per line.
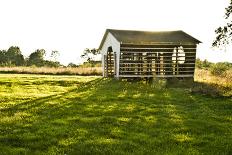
[150, 37]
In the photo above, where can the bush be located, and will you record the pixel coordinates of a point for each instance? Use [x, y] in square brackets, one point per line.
[218, 69]
[72, 65]
[203, 64]
[206, 89]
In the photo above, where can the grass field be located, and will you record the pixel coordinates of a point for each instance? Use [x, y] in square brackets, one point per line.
[53, 70]
[41, 114]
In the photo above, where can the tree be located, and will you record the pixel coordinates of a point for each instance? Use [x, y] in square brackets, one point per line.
[3, 58]
[48, 63]
[72, 65]
[90, 54]
[224, 33]
[14, 56]
[37, 58]
[55, 55]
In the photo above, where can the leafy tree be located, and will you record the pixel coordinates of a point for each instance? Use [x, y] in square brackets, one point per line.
[14, 56]
[51, 63]
[3, 58]
[90, 54]
[55, 55]
[37, 58]
[224, 33]
[72, 65]
[203, 64]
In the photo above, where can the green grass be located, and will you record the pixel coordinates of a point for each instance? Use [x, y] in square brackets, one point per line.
[91, 115]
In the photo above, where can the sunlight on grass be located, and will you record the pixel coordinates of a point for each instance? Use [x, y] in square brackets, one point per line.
[151, 119]
[109, 108]
[79, 134]
[11, 119]
[124, 119]
[136, 95]
[130, 107]
[151, 95]
[123, 94]
[183, 138]
[104, 141]
[67, 142]
[91, 115]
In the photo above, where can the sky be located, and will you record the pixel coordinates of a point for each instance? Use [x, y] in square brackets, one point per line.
[70, 26]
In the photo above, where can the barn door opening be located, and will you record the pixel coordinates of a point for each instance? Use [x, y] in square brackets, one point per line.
[110, 63]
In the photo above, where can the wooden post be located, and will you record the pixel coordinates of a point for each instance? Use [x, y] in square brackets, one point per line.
[177, 67]
[115, 64]
[107, 64]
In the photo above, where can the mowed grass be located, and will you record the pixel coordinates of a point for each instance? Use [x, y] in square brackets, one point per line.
[91, 115]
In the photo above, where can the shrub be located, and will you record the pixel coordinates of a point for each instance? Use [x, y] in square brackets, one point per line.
[198, 63]
[203, 64]
[218, 69]
[206, 89]
[72, 65]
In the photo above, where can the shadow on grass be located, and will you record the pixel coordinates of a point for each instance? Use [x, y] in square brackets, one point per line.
[208, 89]
[105, 116]
[213, 90]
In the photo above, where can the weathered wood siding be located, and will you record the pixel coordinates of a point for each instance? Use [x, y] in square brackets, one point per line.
[155, 61]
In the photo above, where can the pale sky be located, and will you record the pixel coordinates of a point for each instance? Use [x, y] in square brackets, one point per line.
[70, 26]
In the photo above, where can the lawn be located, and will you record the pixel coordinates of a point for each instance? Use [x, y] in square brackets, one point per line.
[42, 114]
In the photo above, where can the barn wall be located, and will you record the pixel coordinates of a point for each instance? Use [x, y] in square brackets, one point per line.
[155, 61]
[110, 41]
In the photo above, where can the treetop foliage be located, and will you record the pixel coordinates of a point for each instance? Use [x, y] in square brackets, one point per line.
[90, 54]
[224, 33]
[14, 57]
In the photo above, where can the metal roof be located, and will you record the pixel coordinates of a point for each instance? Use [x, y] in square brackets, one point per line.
[150, 37]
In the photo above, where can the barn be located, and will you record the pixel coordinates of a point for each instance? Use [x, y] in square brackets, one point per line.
[148, 54]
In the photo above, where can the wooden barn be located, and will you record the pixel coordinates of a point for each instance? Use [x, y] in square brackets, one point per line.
[127, 53]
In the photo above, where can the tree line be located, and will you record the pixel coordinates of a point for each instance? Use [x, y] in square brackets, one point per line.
[14, 57]
[217, 69]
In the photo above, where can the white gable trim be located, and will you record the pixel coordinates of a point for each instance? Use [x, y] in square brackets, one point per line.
[111, 41]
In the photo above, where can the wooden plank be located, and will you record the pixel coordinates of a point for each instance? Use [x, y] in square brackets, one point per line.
[136, 67]
[158, 76]
[110, 64]
[151, 63]
[162, 45]
[150, 48]
[124, 64]
[151, 52]
[156, 67]
[145, 71]
[154, 50]
[152, 56]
